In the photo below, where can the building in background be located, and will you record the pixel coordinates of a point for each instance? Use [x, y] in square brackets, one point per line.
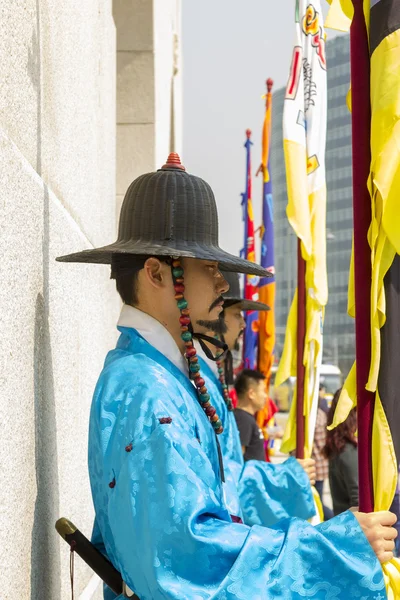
[339, 346]
[85, 107]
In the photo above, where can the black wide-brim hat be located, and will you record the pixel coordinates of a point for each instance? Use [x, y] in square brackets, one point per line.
[168, 213]
[234, 297]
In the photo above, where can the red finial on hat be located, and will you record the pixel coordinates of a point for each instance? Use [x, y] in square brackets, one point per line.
[248, 133]
[174, 162]
[269, 83]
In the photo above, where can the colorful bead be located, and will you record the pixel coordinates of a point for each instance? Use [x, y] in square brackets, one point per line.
[177, 272]
[190, 352]
[225, 389]
[182, 303]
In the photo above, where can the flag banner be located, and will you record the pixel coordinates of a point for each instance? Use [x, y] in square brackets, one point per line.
[382, 20]
[266, 288]
[250, 337]
[304, 132]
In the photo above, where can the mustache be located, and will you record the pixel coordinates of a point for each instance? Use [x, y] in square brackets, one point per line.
[216, 326]
[215, 303]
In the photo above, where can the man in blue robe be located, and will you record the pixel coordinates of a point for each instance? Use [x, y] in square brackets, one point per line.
[267, 492]
[155, 467]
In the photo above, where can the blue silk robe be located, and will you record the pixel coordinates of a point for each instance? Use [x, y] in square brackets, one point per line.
[267, 492]
[164, 522]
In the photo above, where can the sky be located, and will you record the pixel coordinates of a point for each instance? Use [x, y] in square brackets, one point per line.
[230, 48]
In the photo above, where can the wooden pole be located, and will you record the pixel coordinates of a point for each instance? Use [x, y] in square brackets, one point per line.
[361, 126]
[301, 336]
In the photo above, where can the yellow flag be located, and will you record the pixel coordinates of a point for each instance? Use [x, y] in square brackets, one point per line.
[383, 24]
[304, 132]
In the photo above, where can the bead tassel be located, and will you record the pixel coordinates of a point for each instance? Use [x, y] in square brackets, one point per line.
[225, 389]
[191, 353]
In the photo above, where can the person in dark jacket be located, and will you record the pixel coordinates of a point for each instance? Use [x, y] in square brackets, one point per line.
[322, 401]
[341, 451]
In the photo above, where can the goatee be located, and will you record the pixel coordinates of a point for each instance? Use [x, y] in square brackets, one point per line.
[216, 326]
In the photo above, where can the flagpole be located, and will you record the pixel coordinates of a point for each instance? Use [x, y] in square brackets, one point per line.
[301, 337]
[250, 335]
[245, 200]
[361, 125]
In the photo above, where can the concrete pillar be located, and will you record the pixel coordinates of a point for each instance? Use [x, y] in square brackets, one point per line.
[148, 55]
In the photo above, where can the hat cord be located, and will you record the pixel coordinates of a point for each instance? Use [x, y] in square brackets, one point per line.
[190, 352]
[220, 345]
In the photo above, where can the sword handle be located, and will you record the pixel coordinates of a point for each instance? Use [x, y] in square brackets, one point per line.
[92, 557]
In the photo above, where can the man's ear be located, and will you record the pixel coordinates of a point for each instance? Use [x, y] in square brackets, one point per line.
[155, 272]
[251, 393]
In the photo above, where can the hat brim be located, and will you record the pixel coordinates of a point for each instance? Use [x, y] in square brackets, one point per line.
[245, 305]
[226, 261]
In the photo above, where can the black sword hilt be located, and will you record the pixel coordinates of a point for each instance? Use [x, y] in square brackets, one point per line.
[94, 558]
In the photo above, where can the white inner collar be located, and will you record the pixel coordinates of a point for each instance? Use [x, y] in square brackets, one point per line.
[154, 333]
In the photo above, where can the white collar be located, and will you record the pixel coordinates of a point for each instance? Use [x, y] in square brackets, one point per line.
[154, 333]
[211, 363]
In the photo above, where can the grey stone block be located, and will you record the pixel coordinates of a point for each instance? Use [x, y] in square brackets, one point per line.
[134, 23]
[135, 153]
[20, 75]
[57, 323]
[135, 87]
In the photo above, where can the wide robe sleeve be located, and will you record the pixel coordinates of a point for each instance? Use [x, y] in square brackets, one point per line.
[271, 492]
[267, 492]
[171, 536]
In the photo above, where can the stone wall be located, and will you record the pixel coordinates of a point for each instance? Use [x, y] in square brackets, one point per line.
[60, 79]
[57, 181]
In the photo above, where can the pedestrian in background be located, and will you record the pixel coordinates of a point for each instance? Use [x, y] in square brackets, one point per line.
[321, 462]
[342, 453]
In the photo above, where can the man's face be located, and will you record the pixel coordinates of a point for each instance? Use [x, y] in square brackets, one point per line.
[204, 286]
[235, 324]
[258, 394]
[322, 392]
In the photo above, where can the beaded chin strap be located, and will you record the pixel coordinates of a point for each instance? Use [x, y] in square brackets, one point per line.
[191, 353]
